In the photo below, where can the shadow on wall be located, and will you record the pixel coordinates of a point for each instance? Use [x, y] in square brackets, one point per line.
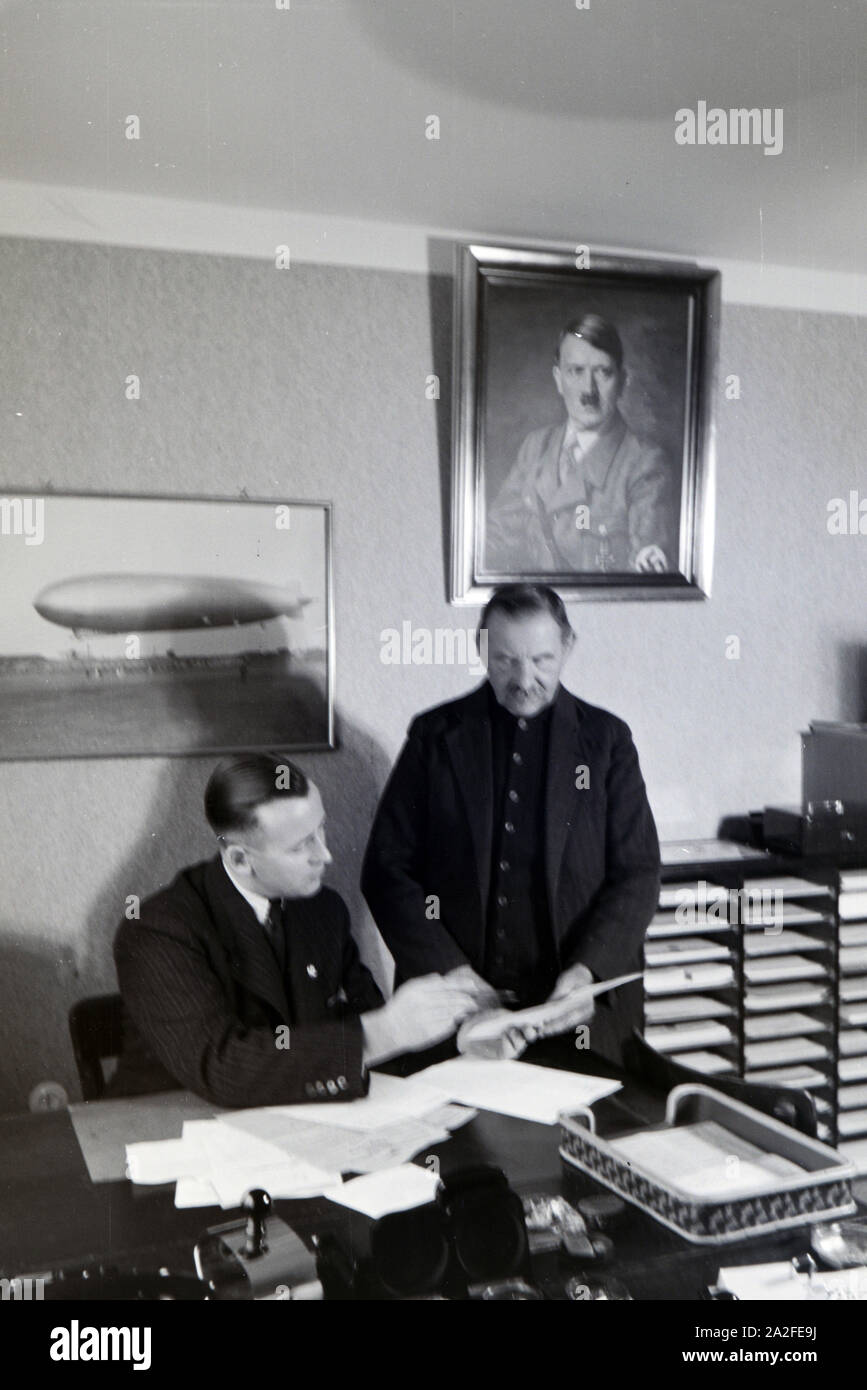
[175, 835]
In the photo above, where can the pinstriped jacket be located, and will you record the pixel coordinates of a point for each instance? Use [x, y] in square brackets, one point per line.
[203, 997]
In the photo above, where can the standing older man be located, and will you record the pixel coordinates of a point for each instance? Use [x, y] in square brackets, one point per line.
[584, 494]
[242, 982]
[514, 835]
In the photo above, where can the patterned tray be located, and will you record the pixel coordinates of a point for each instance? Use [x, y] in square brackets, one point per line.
[823, 1192]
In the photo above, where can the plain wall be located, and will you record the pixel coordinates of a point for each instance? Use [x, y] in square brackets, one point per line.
[310, 383]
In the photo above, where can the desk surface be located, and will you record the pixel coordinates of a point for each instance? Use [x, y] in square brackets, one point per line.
[51, 1214]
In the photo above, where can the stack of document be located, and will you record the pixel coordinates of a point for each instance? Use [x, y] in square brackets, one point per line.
[782, 968]
[296, 1150]
[304, 1150]
[677, 1008]
[683, 980]
[701, 1033]
[683, 949]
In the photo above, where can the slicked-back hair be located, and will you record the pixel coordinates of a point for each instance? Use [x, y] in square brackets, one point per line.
[238, 786]
[598, 332]
[520, 600]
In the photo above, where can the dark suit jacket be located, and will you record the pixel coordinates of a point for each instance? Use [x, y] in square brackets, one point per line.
[432, 835]
[203, 997]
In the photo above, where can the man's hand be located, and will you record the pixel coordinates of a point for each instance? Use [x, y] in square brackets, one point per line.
[651, 557]
[419, 1014]
[575, 983]
[465, 977]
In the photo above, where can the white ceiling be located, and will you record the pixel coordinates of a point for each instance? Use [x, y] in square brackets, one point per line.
[556, 123]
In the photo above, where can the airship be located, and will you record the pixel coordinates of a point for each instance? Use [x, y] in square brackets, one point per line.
[163, 602]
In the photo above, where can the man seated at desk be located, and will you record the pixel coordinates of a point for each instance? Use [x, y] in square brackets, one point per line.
[248, 950]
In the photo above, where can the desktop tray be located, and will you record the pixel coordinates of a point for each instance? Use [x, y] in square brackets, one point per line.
[822, 1192]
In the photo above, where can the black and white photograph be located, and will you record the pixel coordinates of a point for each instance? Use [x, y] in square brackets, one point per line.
[433, 677]
[160, 626]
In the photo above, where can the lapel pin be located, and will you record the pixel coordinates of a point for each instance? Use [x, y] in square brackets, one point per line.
[313, 972]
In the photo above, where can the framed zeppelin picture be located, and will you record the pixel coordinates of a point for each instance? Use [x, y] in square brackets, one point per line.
[154, 625]
[583, 446]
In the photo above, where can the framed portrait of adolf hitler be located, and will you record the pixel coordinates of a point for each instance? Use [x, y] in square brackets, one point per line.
[583, 446]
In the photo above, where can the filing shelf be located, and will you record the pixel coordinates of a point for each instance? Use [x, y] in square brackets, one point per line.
[792, 936]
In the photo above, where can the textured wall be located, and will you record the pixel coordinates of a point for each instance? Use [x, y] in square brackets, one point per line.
[310, 383]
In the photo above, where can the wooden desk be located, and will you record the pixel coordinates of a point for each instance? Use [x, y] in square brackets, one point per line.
[52, 1215]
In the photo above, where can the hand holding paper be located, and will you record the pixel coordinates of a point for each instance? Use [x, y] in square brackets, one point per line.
[503, 1034]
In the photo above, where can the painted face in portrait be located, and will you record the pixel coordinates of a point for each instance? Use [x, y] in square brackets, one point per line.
[590, 383]
[525, 658]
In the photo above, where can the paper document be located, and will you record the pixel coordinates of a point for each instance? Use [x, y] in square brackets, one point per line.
[390, 1098]
[291, 1178]
[705, 1159]
[393, 1189]
[105, 1127]
[505, 1033]
[781, 1282]
[708, 1063]
[342, 1150]
[681, 980]
[517, 1088]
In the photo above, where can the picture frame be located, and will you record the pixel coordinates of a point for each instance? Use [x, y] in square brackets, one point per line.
[157, 626]
[589, 466]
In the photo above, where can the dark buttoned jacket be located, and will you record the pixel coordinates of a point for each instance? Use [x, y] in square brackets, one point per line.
[204, 997]
[426, 874]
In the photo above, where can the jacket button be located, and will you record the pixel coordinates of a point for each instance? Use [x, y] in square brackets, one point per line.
[309, 1088]
[509, 828]
[332, 1087]
[342, 1083]
[312, 971]
[502, 900]
[320, 1088]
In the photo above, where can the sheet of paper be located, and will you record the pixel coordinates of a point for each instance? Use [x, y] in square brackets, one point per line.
[517, 1088]
[392, 1189]
[705, 1159]
[219, 1143]
[681, 980]
[195, 1192]
[706, 851]
[339, 1149]
[389, 1099]
[291, 1178]
[703, 1033]
[163, 1160]
[105, 1127]
[780, 1282]
[708, 1063]
[505, 1033]
[761, 1282]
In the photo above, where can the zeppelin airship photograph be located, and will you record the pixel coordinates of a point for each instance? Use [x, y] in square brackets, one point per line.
[153, 626]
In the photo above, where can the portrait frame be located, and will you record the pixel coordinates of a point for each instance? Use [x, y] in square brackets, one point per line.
[510, 303]
[164, 625]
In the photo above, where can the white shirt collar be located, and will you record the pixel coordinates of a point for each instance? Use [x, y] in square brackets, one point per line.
[585, 439]
[261, 906]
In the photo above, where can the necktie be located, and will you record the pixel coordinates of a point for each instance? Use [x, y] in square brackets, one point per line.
[275, 933]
